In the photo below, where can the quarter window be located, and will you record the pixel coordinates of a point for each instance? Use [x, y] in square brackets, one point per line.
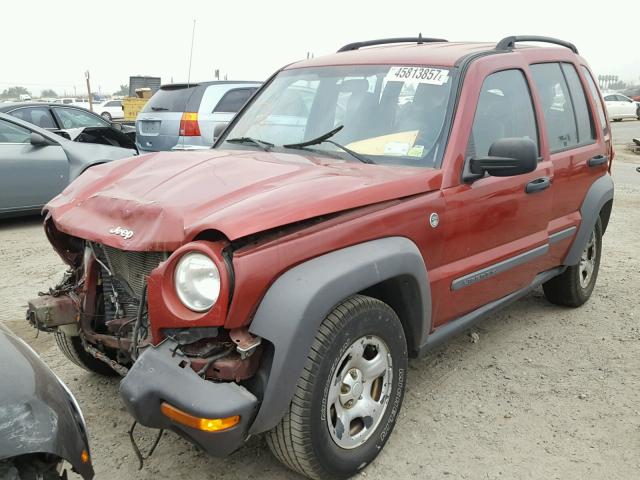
[557, 106]
[11, 133]
[596, 98]
[233, 100]
[505, 110]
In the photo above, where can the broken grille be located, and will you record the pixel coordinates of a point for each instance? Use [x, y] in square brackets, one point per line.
[124, 278]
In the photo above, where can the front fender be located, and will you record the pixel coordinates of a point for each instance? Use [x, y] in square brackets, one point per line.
[296, 304]
[38, 414]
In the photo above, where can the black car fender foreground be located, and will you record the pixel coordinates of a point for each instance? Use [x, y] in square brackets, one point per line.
[38, 414]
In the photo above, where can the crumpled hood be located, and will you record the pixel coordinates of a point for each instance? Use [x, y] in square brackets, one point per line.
[162, 200]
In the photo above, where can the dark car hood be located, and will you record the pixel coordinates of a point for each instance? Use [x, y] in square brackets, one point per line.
[166, 198]
[37, 413]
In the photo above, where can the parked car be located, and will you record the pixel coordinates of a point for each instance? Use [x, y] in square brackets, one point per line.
[184, 116]
[110, 110]
[66, 100]
[36, 165]
[41, 424]
[620, 107]
[55, 117]
[278, 283]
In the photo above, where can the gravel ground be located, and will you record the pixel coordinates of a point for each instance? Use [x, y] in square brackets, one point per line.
[540, 392]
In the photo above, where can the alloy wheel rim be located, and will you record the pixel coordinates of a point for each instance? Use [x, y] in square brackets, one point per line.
[588, 261]
[359, 393]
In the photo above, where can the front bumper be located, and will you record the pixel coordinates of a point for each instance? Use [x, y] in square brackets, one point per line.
[157, 376]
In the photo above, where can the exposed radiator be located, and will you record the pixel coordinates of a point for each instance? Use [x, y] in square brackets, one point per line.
[123, 289]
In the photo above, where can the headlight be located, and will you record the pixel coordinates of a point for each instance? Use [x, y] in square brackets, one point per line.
[197, 281]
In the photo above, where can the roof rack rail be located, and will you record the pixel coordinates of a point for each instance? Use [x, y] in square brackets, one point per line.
[507, 43]
[384, 41]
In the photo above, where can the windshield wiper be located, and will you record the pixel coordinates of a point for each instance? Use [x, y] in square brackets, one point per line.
[325, 139]
[260, 143]
[159, 109]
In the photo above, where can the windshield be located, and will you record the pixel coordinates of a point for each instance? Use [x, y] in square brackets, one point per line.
[390, 114]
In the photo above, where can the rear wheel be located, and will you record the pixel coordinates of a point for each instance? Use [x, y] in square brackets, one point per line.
[349, 394]
[575, 285]
[74, 350]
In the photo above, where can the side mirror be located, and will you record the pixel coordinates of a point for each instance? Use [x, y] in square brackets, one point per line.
[219, 130]
[117, 126]
[507, 157]
[38, 140]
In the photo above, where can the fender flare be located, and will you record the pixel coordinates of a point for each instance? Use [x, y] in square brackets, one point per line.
[600, 192]
[298, 301]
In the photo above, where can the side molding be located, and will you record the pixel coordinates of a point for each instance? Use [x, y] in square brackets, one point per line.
[499, 267]
[600, 192]
[296, 304]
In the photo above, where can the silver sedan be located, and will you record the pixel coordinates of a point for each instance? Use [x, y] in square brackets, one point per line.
[36, 165]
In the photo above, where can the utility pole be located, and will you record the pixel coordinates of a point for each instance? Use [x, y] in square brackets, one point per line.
[86, 74]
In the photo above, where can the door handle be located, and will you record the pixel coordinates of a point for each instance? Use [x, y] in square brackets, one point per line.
[597, 160]
[538, 185]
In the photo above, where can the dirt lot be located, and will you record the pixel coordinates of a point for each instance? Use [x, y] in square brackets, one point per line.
[545, 392]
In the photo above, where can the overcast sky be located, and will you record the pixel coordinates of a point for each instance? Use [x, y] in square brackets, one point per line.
[49, 44]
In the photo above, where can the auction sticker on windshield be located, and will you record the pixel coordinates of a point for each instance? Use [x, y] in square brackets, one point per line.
[434, 76]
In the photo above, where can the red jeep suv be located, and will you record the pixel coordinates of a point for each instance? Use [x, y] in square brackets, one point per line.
[360, 209]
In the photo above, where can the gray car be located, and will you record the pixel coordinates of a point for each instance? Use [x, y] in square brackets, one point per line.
[183, 116]
[36, 165]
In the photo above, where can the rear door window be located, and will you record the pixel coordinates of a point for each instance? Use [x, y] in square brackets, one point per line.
[40, 116]
[557, 106]
[233, 100]
[505, 110]
[584, 120]
[174, 99]
[596, 98]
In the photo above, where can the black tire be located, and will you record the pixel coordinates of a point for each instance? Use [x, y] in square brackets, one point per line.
[567, 289]
[302, 441]
[106, 116]
[74, 351]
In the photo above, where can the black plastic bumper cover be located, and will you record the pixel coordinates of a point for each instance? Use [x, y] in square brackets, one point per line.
[157, 377]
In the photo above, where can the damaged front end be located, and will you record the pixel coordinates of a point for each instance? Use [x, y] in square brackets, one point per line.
[120, 309]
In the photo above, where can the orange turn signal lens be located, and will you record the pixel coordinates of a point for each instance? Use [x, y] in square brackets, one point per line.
[84, 456]
[204, 424]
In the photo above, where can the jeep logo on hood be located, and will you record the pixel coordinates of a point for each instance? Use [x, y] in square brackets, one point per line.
[123, 232]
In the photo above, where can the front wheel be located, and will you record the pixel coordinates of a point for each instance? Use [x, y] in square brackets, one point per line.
[349, 394]
[575, 285]
[106, 116]
[73, 349]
